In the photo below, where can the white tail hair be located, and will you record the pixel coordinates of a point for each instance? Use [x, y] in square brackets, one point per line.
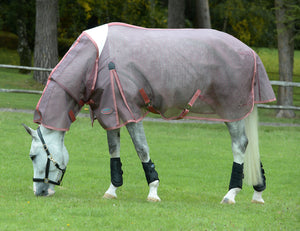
[252, 169]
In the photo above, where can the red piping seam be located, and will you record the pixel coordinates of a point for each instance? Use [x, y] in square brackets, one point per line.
[253, 79]
[121, 91]
[97, 59]
[114, 96]
[96, 75]
[143, 28]
[93, 41]
[49, 78]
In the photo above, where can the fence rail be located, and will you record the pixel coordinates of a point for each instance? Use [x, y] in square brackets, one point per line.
[20, 91]
[25, 67]
[266, 106]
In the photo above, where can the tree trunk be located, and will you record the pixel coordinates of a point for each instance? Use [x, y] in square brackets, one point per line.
[285, 32]
[202, 19]
[176, 18]
[23, 47]
[45, 47]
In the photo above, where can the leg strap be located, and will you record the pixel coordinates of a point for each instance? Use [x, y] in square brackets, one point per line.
[150, 172]
[116, 172]
[236, 180]
[261, 187]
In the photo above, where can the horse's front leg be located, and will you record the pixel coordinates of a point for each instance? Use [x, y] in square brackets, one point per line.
[113, 139]
[136, 131]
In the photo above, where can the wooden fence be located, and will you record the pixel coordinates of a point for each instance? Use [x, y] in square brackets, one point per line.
[267, 106]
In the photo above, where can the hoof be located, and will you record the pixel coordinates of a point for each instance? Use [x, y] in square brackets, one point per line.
[152, 199]
[227, 201]
[109, 196]
[258, 202]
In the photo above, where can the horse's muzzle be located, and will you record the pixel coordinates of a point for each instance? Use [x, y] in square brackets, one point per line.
[42, 189]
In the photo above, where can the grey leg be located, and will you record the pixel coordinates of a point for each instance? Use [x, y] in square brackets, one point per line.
[113, 140]
[136, 131]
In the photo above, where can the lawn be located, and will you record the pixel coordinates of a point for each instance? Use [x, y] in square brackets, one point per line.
[193, 161]
[194, 164]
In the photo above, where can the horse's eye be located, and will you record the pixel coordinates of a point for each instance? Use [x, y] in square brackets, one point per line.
[32, 157]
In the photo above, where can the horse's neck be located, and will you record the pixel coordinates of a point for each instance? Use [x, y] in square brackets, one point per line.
[52, 136]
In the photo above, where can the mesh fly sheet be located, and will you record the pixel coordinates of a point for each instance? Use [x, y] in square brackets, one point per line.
[124, 71]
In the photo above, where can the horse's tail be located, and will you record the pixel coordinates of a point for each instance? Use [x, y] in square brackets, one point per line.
[252, 168]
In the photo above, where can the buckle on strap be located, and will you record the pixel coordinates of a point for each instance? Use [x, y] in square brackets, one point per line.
[147, 101]
[189, 105]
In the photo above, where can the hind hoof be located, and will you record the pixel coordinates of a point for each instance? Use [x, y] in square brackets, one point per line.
[109, 196]
[258, 202]
[153, 199]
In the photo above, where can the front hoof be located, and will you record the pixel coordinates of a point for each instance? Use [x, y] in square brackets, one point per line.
[227, 201]
[153, 199]
[109, 196]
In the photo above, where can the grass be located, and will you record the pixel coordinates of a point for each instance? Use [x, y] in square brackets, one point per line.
[194, 164]
[193, 161]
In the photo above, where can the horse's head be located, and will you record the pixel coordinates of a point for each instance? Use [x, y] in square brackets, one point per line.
[49, 158]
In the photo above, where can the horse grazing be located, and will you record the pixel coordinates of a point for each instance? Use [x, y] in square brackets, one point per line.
[123, 72]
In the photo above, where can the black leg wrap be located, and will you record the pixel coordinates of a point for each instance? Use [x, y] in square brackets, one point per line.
[261, 187]
[150, 172]
[116, 172]
[237, 175]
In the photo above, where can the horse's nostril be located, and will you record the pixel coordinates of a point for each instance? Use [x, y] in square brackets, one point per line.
[41, 190]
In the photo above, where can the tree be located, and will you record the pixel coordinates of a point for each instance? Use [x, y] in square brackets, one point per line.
[202, 19]
[285, 35]
[23, 46]
[176, 17]
[45, 48]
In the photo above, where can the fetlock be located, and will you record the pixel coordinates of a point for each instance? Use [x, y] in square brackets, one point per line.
[150, 172]
[261, 187]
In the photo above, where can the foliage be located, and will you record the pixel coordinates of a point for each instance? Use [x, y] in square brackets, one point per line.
[194, 170]
[8, 40]
[253, 22]
[11, 10]
[64, 45]
[292, 19]
[72, 19]
[138, 12]
[76, 16]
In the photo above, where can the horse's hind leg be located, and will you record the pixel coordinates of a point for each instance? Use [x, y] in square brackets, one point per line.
[258, 189]
[136, 131]
[113, 139]
[239, 145]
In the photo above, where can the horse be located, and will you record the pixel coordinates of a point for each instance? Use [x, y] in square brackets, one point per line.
[123, 72]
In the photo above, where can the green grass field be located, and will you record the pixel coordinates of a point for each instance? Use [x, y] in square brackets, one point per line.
[193, 161]
[194, 164]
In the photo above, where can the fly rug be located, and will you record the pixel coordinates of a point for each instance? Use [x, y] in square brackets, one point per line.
[123, 72]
